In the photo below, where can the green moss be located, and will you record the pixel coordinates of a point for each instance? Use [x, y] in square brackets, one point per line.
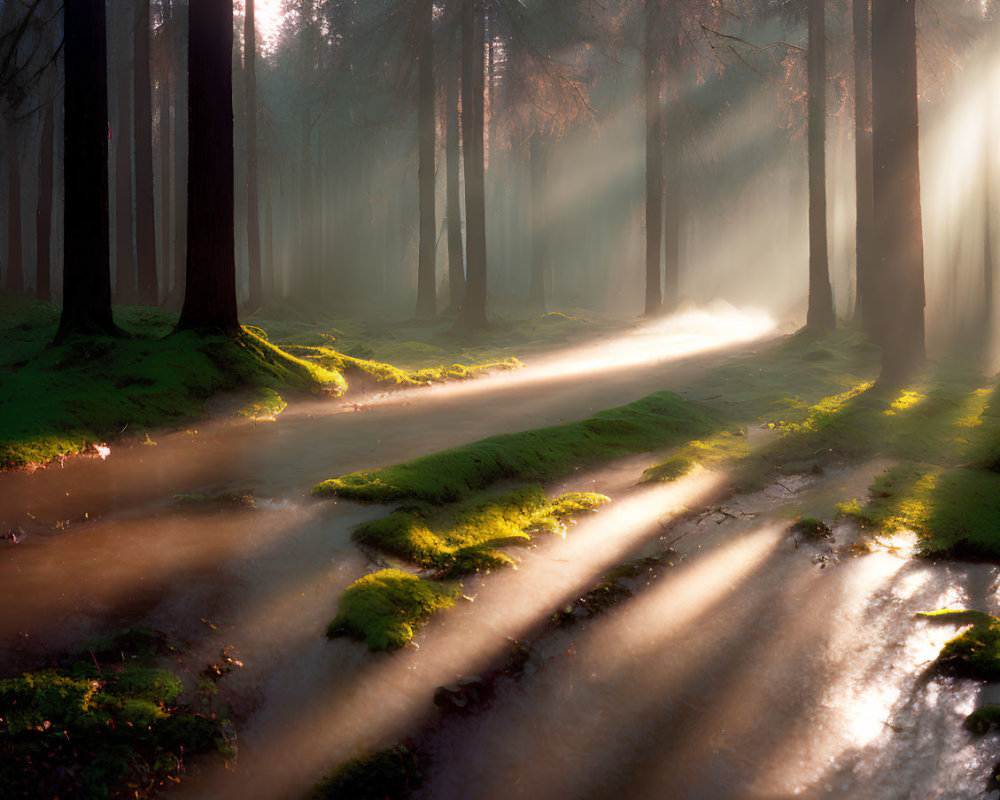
[384, 775]
[97, 728]
[812, 528]
[655, 421]
[711, 452]
[974, 653]
[984, 719]
[460, 540]
[954, 512]
[386, 608]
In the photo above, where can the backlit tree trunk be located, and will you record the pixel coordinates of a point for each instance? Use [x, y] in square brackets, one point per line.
[210, 292]
[864, 168]
[653, 80]
[898, 220]
[253, 205]
[15, 249]
[820, 315]
[427, 122]
[145, 218]
[539, 223]
[43, 212]
[125, 282]
[453, 159]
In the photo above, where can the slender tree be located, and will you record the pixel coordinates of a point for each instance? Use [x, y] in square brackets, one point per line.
[426, 123]
[898, 219]
[43, 209]
[86, 270]
[15, 248]
[250, 109]
[210, 291]
[453, 165]
[166, 32]
[864, 172]
[125, 280]
[652, 83]
[145, 218]
[820, 315]
[473, 311]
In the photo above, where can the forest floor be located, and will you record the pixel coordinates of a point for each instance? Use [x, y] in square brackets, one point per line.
[734, 615]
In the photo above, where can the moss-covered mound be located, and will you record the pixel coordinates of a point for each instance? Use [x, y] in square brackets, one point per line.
[464, 539]
[655, 421]
[974, 653]
[386, 608]
[984, 719]
[101, 724]
[383, 775]
[954, 512]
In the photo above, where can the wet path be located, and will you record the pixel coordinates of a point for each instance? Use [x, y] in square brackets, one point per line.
[733, 675]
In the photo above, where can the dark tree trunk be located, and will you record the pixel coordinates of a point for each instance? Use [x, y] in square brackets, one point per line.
[864, 173]
[86, 270]
[427, 122]
[253, 205]
[167, 240]
[15, 248]
[210, 292]
[268, 270]
[473, 311]
[820, 315]
[456, 254]
[539, 223]
[125, 284]
[989, 167]
[672, 212]
[43, 213]
[145, 215]
[898, 221]
[654, 159]
[178, 63]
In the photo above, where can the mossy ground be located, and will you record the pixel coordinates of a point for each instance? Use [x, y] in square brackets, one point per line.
[974, 653]
[463, 539]
[389, 774]
[107, 722]
[58, 400]
[387, 607]
[655, 421]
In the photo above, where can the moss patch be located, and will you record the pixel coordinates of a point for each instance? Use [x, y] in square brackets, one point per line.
[386, 608]
[984, 719]
[974, 653]
[465, 539]
[383, 775]
[655, 421]
[100, 724]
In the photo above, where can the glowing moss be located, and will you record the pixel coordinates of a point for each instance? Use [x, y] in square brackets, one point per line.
[974, 653]
[386, 608]
[655, 421]
[711, 452]
[463, 540]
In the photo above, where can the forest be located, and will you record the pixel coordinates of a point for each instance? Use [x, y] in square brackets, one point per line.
[450, 399]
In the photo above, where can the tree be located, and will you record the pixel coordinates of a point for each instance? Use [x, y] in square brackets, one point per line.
[426, 124]
[43, 209]
[652, 84]
[453, 213]
[864, 172]
[145, 220]
[820, 314]
[250, 109]
[473, 311]
[210, 291]
[125, 280]
[898, 219]
[87, 270]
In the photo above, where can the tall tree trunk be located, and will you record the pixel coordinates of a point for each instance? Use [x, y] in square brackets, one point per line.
[653, 79]
[673, 196]
[166, 238]
[864, 171]
[210, 293]
[473, 312]
[898, 220]
[87, 257]
[267, 268]
[989, 175]
[539, 222]
[427, 123]
[253, 206]
[145, 216]
[820, 315]
[178, 65]
[125, 282]
[43, 212]
[456, 255]
[15, 248]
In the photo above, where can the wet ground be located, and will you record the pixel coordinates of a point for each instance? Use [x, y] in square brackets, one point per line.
[752, 667]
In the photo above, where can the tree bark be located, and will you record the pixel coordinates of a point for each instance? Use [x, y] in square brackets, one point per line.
[43, 212]
[864, 170]
[253, 205]
[86, 270]
[898, 220]
[539, 223]
[426, 122]
[166, 239]
[125, 281]
[145, 216]
[652, 83]
[210, 292]
[473, 311]
[453, 158]
[820, 314]
[15, 248]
